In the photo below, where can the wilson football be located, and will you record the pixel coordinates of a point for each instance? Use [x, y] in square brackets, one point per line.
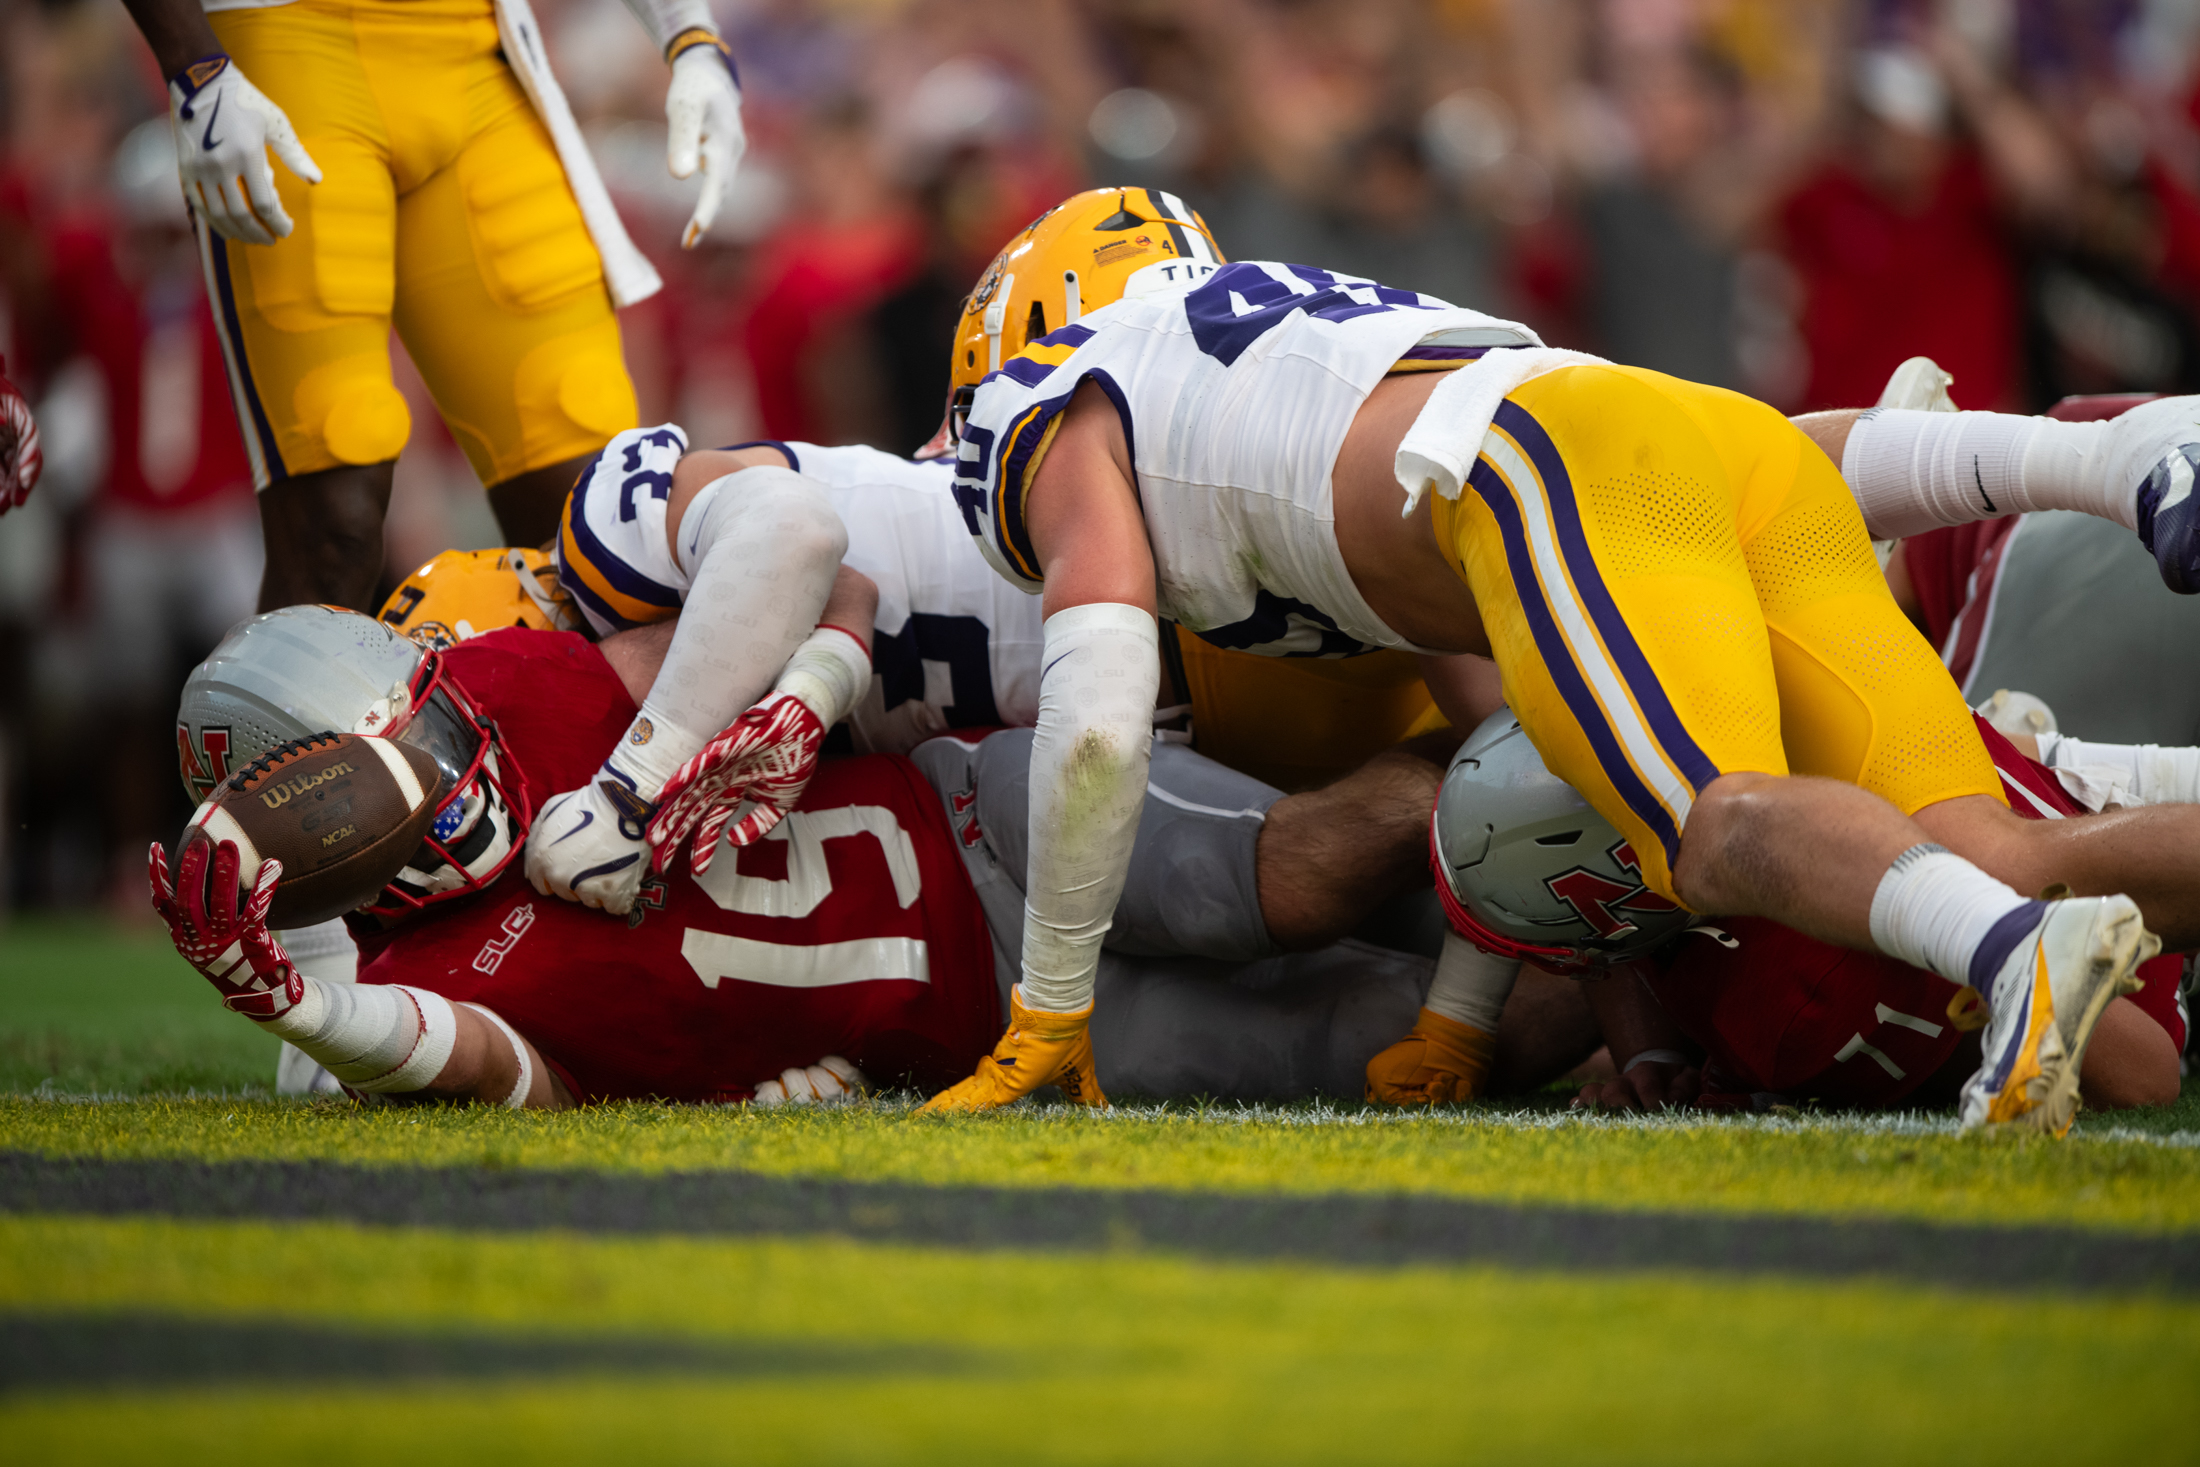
[342, 812]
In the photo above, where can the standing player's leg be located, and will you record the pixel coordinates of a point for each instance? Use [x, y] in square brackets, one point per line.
[501, 299]
[323, 533]
[528, 504]
[305, 322]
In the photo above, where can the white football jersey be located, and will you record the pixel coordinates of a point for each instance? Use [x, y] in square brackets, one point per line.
[955, 646]
[1235, 395]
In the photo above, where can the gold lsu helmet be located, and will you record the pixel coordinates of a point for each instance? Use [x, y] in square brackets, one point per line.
[1078, 256]
[463, 593]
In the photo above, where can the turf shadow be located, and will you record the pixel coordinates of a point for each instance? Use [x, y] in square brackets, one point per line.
[1371, 1229]
[141, 1349]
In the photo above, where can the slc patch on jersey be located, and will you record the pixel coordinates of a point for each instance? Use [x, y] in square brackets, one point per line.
[612, 553]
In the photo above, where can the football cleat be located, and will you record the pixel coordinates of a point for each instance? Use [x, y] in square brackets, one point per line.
[2169, 520]
[2154, 447]
[1040, 1048]
[1440, 1060]
[2051, 990]
[1920, 384]
[591, 845]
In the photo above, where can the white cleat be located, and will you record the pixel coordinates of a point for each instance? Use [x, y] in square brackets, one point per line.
[1920, 384]
[2051, 991]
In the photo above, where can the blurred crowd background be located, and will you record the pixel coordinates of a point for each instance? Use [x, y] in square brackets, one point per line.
[1787, 197]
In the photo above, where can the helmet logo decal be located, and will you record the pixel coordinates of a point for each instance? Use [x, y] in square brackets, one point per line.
[988, 285]
[642, 732]
[1121, 250]
[1600, 901]
[205, 761]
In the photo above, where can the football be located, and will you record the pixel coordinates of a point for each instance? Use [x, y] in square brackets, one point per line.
[342, 812]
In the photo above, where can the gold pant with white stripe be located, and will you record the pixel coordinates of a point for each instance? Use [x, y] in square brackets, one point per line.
[1677, 585]
[442, 209]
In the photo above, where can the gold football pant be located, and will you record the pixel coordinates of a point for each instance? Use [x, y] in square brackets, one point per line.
[1300, 722]
[443, 210]
[1677, 585]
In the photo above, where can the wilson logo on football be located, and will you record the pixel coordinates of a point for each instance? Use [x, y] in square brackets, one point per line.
[1601, 901]
[277, 796]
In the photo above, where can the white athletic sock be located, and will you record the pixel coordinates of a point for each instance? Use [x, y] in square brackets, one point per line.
[1916, 471]
[1936, 910]
[375, 1037]
[2100, 775]
[1471, 985]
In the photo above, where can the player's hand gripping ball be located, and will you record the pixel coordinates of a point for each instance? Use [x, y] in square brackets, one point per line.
[221, 930]
[343, 813]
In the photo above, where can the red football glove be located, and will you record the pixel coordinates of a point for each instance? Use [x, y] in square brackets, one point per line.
[766, 758]
[20, 458]
[228, 943]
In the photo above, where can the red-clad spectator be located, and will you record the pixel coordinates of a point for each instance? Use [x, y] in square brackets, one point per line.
[1902, 253]
[850, 240]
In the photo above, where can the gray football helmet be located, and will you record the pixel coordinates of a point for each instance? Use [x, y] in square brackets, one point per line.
[311, 669]
[1526, 869]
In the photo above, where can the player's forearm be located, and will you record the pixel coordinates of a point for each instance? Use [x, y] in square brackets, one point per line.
[1088, 783]
[176, 30]
[852, 605]
[1633, 1022]
[667, 20]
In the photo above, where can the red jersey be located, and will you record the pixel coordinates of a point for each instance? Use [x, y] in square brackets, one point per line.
[171, 431]
[851, 929]
[1881, 283]
[1780, 1012]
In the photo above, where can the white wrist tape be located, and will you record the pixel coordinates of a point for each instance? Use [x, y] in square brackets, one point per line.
[830, 672]
[1657, 1057]
[2100, 775]
[1088, 783]
[665, 19]
[522, 1087]
[759, 549]
[1471, 986]
[375, 1037]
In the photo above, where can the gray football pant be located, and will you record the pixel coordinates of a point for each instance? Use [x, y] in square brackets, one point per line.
[1193, 997]
[2081, 619]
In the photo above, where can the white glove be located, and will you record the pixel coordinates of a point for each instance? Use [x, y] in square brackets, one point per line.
[224, 126]
[703, 119]
[830, 1079]
[590, 845]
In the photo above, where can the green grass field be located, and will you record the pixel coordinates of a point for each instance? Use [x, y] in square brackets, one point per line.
[191, 1269]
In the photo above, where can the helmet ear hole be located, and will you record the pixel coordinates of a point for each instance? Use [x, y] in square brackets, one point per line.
[1036, 326]
[970, 358]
